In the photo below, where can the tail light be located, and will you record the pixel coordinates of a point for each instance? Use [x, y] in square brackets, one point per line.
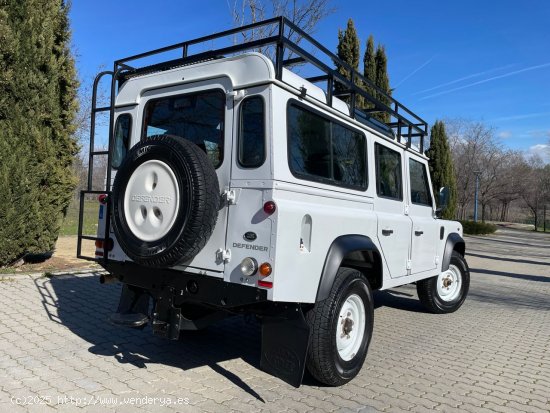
[100, 244]
[270, 207]
[102, 199]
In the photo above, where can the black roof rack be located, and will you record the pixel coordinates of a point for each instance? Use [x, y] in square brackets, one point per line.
[278, 36]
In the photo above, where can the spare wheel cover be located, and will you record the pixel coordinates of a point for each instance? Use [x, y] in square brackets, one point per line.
[151, 201]
[165, 201]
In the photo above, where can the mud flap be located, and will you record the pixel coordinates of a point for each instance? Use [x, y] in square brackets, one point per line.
[133, 308]
[285, 341]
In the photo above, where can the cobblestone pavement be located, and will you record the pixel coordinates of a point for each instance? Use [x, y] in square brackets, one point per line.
[57, 352]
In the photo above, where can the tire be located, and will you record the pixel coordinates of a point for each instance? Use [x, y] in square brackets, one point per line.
[439, 298]
[325, 361]
[165, 201]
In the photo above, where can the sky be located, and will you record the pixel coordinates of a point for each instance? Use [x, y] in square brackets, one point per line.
[478, 60]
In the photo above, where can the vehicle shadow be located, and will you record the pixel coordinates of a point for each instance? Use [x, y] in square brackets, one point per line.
[528, 277]
[83, 305]
[399, 300]
[516, 260]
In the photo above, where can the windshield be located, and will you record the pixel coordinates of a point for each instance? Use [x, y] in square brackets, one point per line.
[197, 117]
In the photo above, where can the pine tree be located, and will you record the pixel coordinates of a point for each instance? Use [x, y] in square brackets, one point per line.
[382, 81]
[441, 167]
[369, 69]
[348, 51]
[37, 107]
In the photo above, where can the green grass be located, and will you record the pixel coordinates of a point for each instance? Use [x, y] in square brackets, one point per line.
[70, 223]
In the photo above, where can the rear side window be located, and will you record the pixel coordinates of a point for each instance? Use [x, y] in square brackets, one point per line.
[388, 172]
[420, 190]
[197, 117]
[322, 150]
[252, 133]
[121, 140]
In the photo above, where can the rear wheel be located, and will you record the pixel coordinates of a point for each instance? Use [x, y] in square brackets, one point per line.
[341, 329]
[446, 292]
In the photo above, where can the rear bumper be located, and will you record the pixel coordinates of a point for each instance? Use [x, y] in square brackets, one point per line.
[186, 287]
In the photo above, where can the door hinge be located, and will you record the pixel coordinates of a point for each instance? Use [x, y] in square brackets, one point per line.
[406, 209]
[223, 255]
[236, 95]
[436, 260]
[230, 197]
[409, 264]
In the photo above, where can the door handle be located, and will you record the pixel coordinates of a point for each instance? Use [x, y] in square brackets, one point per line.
[418, 233]
[387, 232]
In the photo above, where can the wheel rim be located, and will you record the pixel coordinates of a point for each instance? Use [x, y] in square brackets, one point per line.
[151, 200]
[350, 327]
[449, 283]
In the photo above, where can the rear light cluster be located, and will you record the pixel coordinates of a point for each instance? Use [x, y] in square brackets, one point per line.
[100, 246]
[249, 267]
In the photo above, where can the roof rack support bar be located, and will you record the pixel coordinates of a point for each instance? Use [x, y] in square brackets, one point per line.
[293, 61]
[330, 89]
[353, 99]
[280, 51]
[315, 79]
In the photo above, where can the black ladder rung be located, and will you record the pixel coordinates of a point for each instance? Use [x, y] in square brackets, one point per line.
[92, 192]
[102, 109]
[90, 238]
[99, 153]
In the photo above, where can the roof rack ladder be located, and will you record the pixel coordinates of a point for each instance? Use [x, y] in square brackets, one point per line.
[92, 154]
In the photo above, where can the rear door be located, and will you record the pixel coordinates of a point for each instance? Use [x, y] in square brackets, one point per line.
[425, 227]
[202, 113]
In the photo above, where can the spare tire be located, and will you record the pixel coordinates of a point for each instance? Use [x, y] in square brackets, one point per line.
[165, 201]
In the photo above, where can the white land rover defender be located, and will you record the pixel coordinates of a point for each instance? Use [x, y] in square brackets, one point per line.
[242, 187]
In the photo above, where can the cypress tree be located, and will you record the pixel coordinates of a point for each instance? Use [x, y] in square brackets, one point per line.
[37, 108]
[348, 51]
[441, 167]
[382, 80]
[369, 68]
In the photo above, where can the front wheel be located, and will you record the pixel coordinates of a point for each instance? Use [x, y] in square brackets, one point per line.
[341, 329]
[446, 292]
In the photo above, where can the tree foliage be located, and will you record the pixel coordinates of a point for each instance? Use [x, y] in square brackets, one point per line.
[382, 81]
[348, 50]
[375, 68]
[369, 68]
[506, 177]
[37, 108]
[441, 167]
[305, 14]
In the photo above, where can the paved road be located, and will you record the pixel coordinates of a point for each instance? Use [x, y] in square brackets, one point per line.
[57, 352]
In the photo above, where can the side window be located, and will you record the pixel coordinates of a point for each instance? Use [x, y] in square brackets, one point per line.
[420, 190]
[122, 139]
[349, 159]
[252, 133]
[325, 151]
[388, 172]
